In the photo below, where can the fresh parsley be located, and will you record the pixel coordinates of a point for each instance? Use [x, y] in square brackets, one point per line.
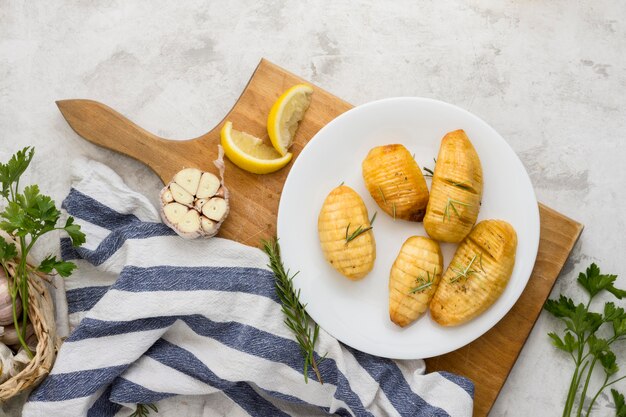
[586, 341]
[28, 216]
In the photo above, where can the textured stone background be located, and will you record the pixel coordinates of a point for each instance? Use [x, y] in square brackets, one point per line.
[550, 76]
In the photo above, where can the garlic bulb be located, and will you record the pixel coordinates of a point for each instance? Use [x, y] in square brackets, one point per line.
[6, 307]
[195, 203]
[9, 336]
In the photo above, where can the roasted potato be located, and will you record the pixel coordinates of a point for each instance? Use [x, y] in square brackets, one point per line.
[346, 234]
[396, 182]
[414, 279]
[456, 190]
[477, 275]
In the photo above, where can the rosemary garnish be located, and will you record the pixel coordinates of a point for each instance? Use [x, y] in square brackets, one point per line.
[461, 185]
[424, 282]
[467, 271]
[296, 317]
[359, 230]
[429, 172]
[380, 190]
[342, 182]
[450, 204]
[143, 410]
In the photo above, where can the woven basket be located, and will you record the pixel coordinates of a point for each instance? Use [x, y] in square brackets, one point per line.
[41, 315]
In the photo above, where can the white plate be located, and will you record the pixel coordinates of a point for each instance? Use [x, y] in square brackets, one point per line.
[357, 313]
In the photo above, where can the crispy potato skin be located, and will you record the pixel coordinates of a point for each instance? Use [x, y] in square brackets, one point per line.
[393, 178]
[494, 243]
[418, 257]
[458, 178]
[343, 207]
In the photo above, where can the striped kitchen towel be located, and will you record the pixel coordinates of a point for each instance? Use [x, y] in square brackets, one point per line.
[195, 328]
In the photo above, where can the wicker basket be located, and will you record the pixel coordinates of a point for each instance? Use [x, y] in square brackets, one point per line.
[41, 315]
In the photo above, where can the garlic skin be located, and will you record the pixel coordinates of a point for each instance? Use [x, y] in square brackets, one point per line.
[195, 203]
[9, 336]
[11, 365]
[6, 307]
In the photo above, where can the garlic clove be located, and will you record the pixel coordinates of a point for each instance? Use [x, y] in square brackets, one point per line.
[209, 184]
[215, 209]
[207, 225]
[199, 203]
[188, 179]
[180, 195]
[167, 197]
[175, 212]
[190, 222]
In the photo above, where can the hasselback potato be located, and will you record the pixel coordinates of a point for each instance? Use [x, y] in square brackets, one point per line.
[456, 190]
[477, 275]
[396, 182]
[345, 233]
[413, 279]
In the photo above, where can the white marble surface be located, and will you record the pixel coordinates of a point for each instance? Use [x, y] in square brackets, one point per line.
[550, 76]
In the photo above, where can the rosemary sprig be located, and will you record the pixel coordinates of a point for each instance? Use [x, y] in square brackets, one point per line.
[429, 172]
[467, 271]
[296, 317]
[380, 190]
[461, 185]
[424, 282]
[143, 410]
[450, 204]
[359, 230]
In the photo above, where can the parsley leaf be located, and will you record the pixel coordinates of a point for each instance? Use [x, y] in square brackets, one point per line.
[73, 230]
[564, 307]
[50, 263]
[620, 404]
[594, 282]
[8, 250]
[12, 171]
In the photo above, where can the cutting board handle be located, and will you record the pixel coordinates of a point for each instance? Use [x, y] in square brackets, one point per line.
[104, 126]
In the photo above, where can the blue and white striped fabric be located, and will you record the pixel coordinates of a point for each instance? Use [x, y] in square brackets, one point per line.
[195, 327]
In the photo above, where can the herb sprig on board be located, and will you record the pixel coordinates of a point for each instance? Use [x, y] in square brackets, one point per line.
[296, 317]
[587, 342]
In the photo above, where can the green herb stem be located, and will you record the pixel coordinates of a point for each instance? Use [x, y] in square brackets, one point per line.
[296, 317]
[581, 402]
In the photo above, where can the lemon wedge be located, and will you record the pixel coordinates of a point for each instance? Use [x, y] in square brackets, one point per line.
[286, 114]
[250, 153]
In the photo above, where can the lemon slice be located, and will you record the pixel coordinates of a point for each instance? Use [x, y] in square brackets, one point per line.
[250, 153]
[286, 114]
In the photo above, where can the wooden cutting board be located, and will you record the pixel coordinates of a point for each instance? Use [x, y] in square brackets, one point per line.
[254, 206]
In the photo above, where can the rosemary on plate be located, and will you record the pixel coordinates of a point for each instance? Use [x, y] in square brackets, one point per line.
[450, 206]
[424, 283]
[359, 230]
[467, 271]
